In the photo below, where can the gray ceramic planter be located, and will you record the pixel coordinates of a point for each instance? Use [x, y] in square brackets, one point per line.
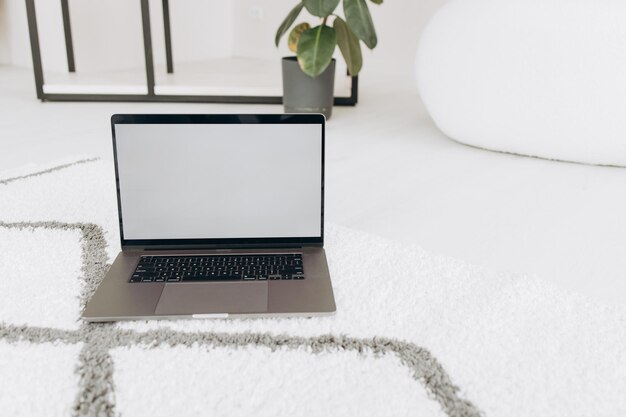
[303, 94]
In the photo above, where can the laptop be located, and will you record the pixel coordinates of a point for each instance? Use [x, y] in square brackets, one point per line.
[220, 216]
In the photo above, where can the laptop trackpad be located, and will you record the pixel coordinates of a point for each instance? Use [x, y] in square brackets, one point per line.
[213, 297]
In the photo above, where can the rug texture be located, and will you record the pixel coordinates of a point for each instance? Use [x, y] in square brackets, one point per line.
[415, 334]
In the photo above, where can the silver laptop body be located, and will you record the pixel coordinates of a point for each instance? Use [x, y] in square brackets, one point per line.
[220, 216]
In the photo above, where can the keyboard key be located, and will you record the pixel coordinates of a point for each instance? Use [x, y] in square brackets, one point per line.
[228, 278]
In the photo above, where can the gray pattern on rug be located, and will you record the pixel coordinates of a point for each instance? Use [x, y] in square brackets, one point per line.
[96, 396]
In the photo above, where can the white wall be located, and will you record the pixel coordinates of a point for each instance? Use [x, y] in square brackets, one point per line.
[108, 34]
[51, 38]
[14, 33]
[201, 29]
[5, 51]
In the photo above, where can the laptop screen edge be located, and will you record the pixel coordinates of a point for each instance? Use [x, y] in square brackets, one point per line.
[234, 243]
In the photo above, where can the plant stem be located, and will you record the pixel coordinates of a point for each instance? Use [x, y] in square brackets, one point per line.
[324, 21]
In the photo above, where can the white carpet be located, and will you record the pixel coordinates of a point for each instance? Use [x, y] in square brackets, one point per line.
[514, 345]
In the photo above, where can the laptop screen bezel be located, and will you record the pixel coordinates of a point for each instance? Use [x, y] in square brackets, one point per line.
[209, 243]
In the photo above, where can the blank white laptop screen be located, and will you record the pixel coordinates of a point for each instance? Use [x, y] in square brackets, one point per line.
[219, 181]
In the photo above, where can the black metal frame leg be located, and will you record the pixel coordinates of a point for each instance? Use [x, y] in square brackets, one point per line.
[168, 36]
[34, 47]
[69, 45]
[147, 44]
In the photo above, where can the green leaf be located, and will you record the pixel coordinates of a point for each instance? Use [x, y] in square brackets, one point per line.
[349, 45]
[360, 21]
[291, 17]
[294, 36]
[377, 1]
[315, 49]
[321, 8]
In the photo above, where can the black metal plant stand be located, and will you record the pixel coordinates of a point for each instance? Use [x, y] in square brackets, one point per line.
[147, 42]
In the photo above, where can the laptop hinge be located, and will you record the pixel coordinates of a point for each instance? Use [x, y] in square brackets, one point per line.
[211, 248]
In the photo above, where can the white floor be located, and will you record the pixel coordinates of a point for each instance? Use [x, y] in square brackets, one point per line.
[391, 172]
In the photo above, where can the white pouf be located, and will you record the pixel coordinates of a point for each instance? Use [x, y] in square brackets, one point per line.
[544, 78]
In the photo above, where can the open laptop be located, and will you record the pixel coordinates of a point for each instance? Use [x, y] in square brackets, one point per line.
[220, 216]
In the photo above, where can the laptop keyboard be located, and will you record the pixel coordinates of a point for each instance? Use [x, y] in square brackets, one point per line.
[260, 267]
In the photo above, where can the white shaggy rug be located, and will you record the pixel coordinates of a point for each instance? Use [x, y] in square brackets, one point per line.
[415, 334]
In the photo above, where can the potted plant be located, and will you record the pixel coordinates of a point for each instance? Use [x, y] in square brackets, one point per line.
[309, 77]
